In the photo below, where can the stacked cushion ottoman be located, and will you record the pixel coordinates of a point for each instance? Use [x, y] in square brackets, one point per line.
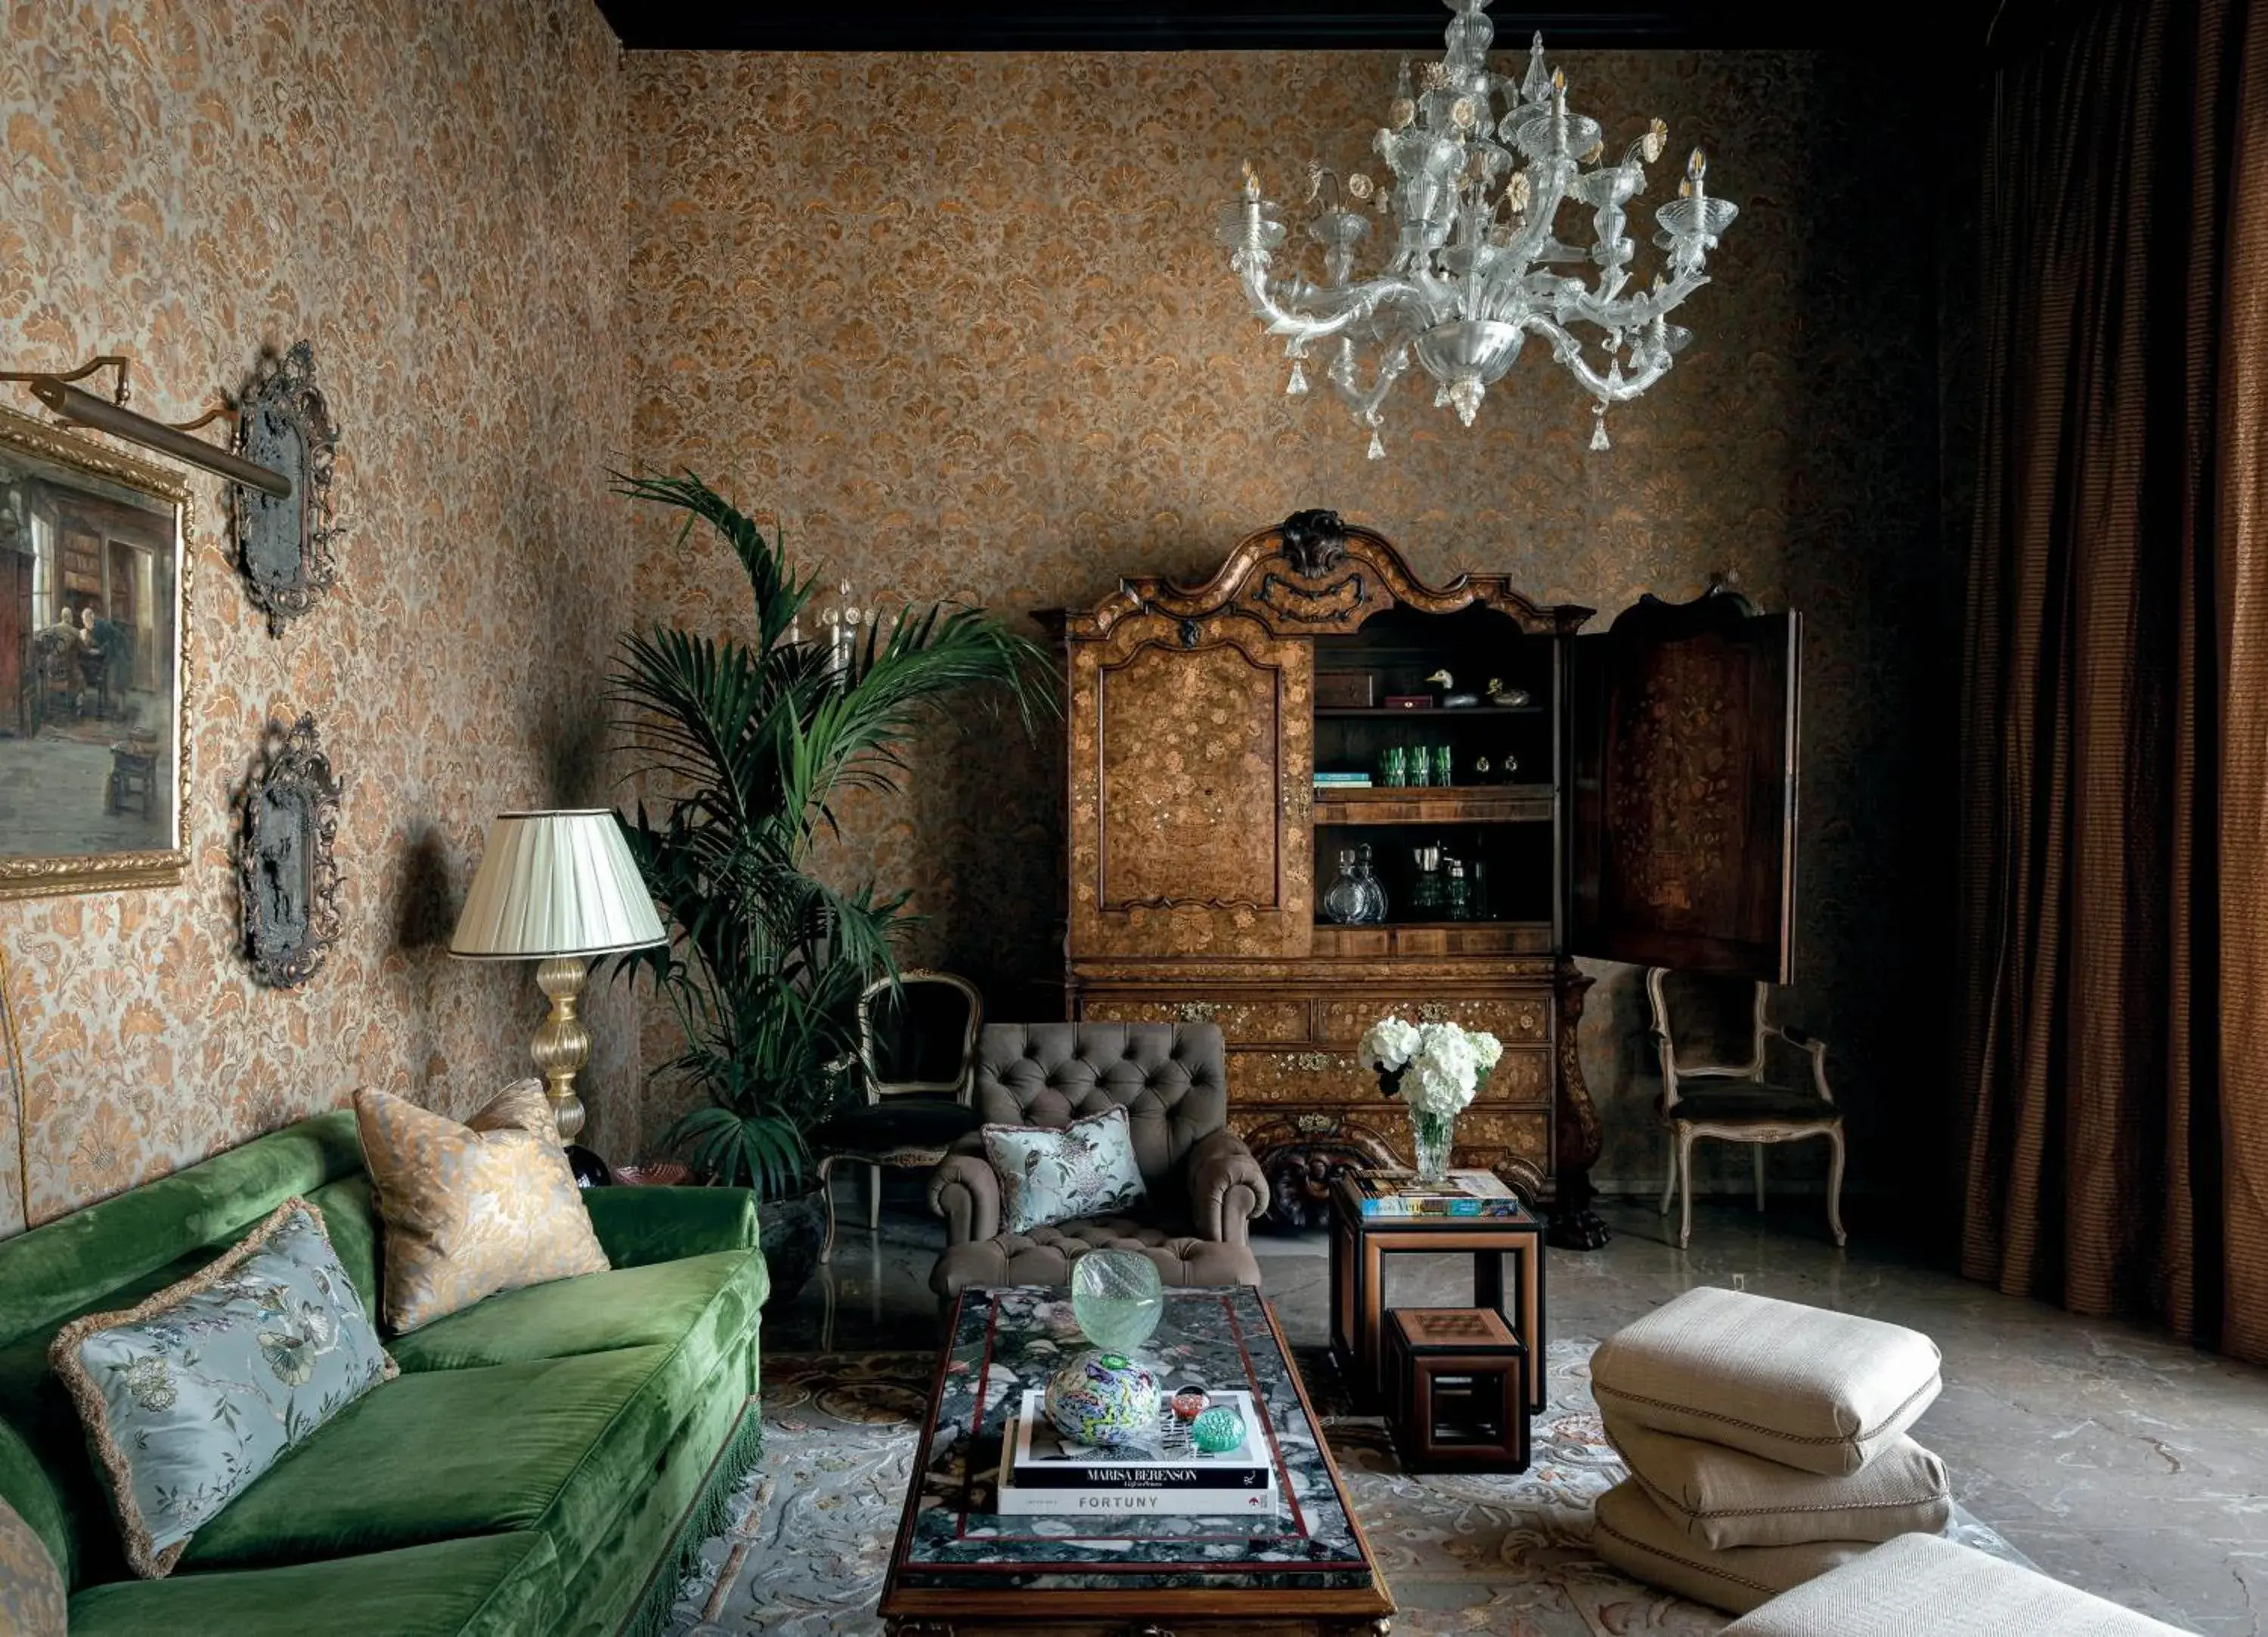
[1766, 1443]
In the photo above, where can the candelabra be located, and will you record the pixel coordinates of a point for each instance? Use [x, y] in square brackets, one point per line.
[1475, 267]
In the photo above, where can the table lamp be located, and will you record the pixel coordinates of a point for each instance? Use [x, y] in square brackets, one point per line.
[557, 888]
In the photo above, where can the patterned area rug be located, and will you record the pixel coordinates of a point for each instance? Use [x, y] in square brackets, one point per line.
[1463, 1555]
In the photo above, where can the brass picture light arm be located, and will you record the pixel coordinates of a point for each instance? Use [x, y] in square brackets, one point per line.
[82, 408]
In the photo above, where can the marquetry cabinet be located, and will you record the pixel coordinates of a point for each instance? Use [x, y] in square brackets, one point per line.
[1638, 804]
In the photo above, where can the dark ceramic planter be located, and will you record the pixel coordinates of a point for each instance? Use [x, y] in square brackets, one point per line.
[793, 1229]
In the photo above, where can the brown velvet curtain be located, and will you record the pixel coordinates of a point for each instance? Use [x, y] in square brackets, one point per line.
[2115, 849]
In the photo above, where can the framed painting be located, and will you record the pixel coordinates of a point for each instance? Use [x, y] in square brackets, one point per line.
[94, 686]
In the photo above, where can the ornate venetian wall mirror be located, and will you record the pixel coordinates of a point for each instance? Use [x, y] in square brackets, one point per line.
[283, 542]
[285, 871]
[94, 690]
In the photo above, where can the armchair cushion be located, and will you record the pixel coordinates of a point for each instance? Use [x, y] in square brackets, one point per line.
[1044, 1256]
[1745, 1099]
[1226, 1187]
[894, 1123]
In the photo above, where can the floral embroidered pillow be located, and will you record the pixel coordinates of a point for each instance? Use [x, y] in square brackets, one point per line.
[1051, 1176]
[189, 1397]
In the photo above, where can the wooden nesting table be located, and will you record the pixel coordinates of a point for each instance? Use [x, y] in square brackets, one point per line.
[1360, 1245]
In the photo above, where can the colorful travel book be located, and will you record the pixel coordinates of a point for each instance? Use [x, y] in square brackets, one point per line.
[1042, 1458]
[1463, 1193]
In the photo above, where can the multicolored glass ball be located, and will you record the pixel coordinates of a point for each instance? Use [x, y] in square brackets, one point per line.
[1102, 1398]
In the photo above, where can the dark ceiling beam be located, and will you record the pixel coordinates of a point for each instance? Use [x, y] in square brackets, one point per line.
[1248, 24]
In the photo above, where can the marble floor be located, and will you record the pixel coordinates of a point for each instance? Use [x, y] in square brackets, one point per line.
[2112, 1457]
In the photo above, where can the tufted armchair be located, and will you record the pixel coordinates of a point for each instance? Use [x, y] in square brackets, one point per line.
[1205, 1186]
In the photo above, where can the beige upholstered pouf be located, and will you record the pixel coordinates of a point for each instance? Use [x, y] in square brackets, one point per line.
[1801, 1385]
[1631, 1533]
[1926, 1586]
[1721, 1497]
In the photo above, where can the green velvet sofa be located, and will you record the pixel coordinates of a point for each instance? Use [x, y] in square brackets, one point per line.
[541, 1464]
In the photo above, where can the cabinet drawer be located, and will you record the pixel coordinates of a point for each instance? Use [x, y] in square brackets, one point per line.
[1491, 1136]
[1275, 1078]
[1522, 1077]
[1511, 1018]
[1241, 1020]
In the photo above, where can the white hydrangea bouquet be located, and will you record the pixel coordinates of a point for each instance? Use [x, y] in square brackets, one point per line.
[1434, 1068]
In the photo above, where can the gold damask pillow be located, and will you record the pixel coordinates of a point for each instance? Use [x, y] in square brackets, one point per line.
[472, 1209]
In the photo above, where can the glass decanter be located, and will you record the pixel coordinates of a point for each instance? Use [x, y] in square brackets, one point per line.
[1343, 900]
[1425, 894]
[1373, 893]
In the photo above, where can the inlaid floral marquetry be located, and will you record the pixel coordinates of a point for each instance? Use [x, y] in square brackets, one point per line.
[1192, 835]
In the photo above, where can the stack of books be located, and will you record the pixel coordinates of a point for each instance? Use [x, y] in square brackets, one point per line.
[1042, 1475]
[1461, 1193]
[1341, 781]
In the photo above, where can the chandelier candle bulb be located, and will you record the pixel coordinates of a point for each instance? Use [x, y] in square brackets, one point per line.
[1479, 169]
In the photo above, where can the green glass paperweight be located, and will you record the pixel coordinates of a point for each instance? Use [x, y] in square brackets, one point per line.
[1117, 1299]
[1217, 1431]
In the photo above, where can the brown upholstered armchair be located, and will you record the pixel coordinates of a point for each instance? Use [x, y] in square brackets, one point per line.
[1205, 1187]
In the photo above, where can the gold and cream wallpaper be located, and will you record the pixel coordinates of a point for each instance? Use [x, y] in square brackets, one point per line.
[425, 189]
[959, 323]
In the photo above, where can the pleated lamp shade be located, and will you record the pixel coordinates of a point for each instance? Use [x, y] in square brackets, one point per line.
[555, 884]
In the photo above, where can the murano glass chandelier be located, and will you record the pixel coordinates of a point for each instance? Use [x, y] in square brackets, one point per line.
[1473, 196]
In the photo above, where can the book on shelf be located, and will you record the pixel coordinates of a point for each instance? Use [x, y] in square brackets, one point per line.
[1461, 1193]
[1043, 1458]
[1343, 780]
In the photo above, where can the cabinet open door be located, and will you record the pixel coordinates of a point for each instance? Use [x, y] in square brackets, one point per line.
[1683, 724]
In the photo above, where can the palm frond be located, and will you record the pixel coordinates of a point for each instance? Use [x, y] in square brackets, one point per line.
[745, 743]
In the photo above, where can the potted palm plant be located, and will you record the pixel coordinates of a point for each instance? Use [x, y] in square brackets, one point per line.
[745, 740]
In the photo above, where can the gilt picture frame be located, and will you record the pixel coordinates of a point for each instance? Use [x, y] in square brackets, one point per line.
[96, 553]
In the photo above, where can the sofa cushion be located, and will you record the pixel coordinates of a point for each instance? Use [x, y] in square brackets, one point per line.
[1821, 1390]
[1722, 1497]
[503, 1585]
[438, 1454]
[190, 1395]
[30, 1585]
[1044, 1257]
[1632, 1534]
[471, 1209]
[1926, 1586]
[699, 1300]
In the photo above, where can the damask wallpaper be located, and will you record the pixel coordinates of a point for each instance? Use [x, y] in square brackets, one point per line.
[958, 322]
[426, 189]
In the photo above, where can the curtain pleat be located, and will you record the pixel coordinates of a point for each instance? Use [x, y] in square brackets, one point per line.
[2115, 932]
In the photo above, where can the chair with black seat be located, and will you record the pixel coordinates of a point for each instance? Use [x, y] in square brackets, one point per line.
[1711, 1034]
[917, 1054]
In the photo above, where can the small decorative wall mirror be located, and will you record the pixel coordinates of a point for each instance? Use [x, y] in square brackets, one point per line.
[285, 871]
[284, 546]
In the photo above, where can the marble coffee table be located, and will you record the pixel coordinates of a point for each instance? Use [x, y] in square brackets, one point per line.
[960, 1568]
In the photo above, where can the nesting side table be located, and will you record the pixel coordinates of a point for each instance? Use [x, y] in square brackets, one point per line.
[1360, 1245]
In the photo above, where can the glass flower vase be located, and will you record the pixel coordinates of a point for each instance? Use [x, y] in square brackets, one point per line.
[1431, 1134]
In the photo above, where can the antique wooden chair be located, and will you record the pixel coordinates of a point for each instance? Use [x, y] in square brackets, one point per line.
[1710, 1033]
[917, 1054]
